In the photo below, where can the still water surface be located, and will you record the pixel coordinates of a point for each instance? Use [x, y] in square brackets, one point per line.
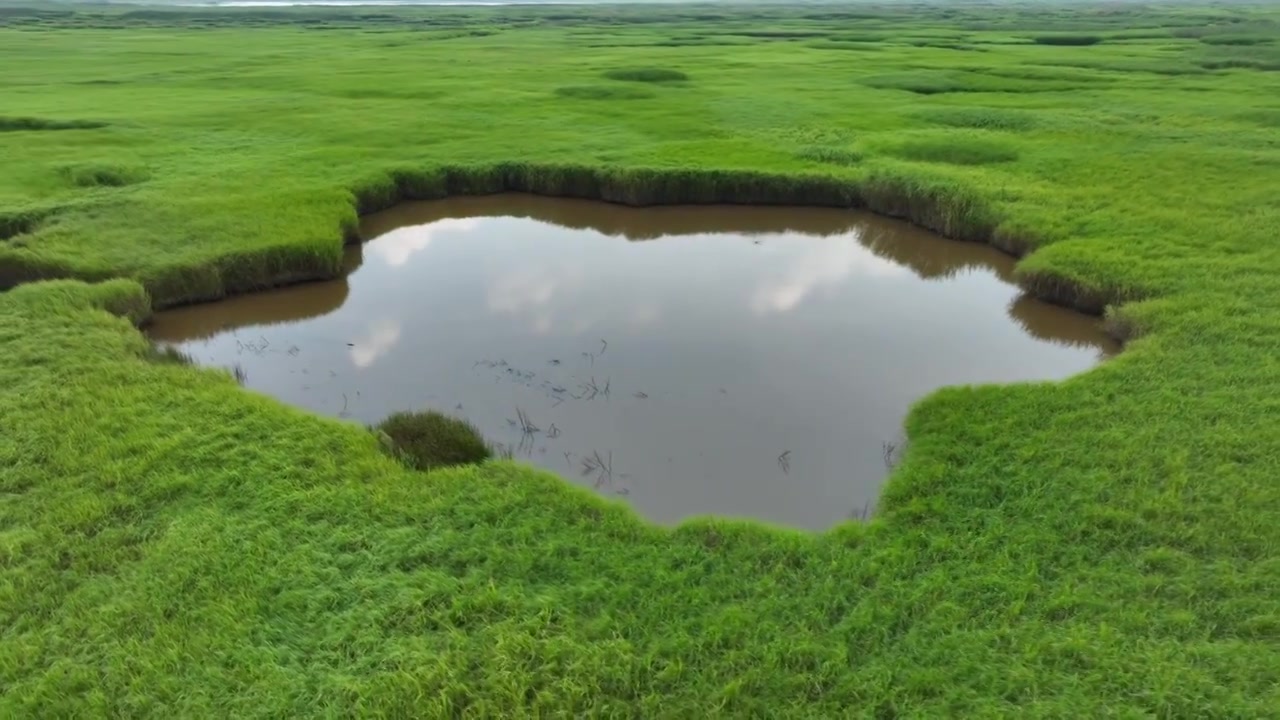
[742, 361]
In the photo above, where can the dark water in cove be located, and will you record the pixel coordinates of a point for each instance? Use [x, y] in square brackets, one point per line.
[742, 361]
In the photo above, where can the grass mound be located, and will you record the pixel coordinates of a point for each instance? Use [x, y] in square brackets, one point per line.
[104, 175]
[10, 123]
[955, 151]
[649, 74]
[978, 118]
[603, 92]
[1067, 40]
[428, 440]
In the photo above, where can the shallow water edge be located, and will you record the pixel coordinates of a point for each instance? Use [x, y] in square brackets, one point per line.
[683, 339]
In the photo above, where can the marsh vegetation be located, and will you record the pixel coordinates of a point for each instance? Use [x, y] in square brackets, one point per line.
[174, 544]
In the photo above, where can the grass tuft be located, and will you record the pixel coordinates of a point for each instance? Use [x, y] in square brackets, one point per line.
[20, 222]
[830, 155]
[603, 92]
[921, 82]
[958, 150]
[1267, 117]
[1240, 40]
[649, 74]
[1241, 64]
[10, 123]
[1067, 40]
[104, 175]
[979, 118]
[428, 440]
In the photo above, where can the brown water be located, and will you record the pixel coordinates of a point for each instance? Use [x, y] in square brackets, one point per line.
[742, 361]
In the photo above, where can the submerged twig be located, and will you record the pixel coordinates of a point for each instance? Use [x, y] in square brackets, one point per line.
[590, 389]
[891, 453]
[598, 465]
[526, 425]
[784, 462]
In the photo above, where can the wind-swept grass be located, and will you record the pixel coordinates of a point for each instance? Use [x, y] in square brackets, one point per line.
[172, 545]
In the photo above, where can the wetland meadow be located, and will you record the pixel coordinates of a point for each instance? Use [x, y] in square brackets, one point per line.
[640, 360]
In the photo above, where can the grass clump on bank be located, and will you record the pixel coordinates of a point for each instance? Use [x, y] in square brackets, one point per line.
[428, 440]
[184, 548]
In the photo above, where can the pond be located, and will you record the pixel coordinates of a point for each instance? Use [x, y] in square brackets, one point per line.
[740, 361]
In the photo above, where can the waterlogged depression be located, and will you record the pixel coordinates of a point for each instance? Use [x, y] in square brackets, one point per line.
[741, 361]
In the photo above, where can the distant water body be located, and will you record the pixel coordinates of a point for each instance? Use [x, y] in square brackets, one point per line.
[350, 3]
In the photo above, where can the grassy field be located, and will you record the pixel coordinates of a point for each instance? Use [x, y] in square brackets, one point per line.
[172, 545]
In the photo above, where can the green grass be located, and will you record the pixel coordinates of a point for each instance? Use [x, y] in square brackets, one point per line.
[172, 545]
